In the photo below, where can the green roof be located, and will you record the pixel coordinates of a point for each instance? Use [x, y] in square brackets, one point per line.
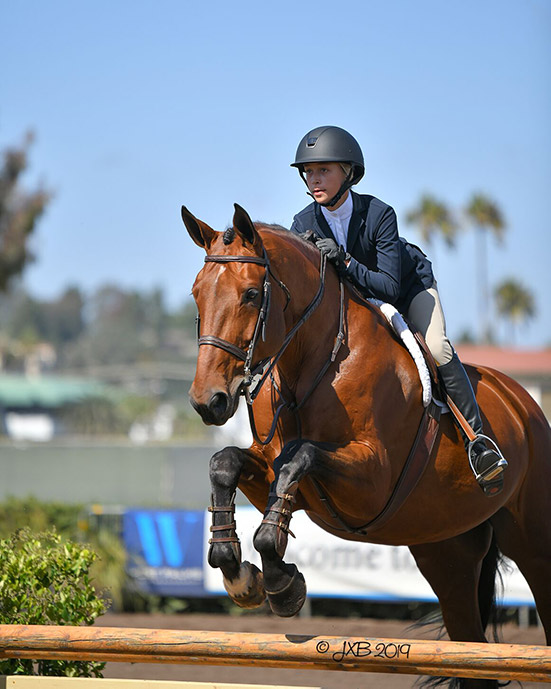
[46, 391]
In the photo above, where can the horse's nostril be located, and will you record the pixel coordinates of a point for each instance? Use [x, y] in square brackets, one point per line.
[218, 404]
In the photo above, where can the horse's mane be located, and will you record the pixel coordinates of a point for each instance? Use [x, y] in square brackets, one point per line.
[269, 226]
[267, 229]
[301, 242]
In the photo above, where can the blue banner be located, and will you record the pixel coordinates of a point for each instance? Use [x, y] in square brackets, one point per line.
[167, 556]
[165, 551]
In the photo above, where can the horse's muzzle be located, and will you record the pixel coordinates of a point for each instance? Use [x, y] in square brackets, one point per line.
[217, 410]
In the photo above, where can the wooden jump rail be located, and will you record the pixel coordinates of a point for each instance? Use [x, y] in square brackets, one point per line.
[400, 656]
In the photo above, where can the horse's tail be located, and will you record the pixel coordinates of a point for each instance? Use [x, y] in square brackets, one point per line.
[490, 582]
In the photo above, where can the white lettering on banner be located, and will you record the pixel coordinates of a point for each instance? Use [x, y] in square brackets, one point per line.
[336, 568]
[168, 574]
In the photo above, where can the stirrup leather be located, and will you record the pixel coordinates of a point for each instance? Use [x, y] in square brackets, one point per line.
[493, 472]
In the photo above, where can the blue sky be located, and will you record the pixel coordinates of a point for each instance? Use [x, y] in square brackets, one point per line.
[142, 106]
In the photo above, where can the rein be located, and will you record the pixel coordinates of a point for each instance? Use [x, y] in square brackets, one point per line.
[260, 327]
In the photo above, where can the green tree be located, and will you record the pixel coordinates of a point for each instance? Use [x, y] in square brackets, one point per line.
[515, 303]
[433, 220]
[486, 217]
[155, 315]
[26, 321]
[57, 321]
[63, 318]
[123, 327]
[115, 328]
[20, 211]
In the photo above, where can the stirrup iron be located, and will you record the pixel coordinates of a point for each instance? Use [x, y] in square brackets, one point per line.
[492, 472]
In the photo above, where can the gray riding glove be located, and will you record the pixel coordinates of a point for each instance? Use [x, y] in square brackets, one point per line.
[335, 253]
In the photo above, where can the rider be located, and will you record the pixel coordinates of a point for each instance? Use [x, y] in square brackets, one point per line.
[359, 235]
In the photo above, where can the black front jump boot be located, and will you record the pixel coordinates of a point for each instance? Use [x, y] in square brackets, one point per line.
[487, 464]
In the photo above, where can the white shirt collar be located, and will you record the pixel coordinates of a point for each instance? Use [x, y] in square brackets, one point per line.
[339, 219]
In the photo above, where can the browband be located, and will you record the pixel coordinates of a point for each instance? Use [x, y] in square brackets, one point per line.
[241, 259]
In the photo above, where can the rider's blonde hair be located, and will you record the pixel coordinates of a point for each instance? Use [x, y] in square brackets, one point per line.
[346, 167]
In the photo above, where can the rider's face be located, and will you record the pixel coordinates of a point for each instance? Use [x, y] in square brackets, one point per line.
[324, 181]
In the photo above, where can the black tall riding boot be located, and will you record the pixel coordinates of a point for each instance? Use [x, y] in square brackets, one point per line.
[487, 464]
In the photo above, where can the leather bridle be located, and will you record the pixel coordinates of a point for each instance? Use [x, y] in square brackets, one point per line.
[262, 368]
[260, 326]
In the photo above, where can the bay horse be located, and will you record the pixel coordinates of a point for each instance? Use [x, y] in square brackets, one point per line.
[336, 406]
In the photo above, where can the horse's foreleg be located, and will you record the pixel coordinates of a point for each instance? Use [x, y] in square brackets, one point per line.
[242, 580]
[285, 585]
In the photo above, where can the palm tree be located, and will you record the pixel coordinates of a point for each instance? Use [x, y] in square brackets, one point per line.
[515, 303]
[433, 219]
[486, 217]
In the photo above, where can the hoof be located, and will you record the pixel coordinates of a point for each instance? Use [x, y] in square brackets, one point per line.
[248, 590]
[289, 600]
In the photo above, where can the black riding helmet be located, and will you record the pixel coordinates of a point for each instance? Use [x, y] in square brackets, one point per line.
[331, 145]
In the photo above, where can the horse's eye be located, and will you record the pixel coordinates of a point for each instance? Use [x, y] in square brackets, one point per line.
[251, 294]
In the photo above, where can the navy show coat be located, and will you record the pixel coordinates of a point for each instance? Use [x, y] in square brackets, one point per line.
[382, 264]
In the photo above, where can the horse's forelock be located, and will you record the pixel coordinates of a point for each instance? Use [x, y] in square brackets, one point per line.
[229, 235]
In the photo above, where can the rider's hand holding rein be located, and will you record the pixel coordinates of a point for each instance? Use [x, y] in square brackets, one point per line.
[336, 254]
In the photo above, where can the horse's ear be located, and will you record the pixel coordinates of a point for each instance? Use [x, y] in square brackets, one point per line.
[244, 226]
[199, 231]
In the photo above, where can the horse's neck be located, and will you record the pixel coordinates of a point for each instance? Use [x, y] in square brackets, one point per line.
[313, 341]
[368, 341]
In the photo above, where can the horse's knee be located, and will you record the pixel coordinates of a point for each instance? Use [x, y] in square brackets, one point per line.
[295, 461]
[225, 467]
